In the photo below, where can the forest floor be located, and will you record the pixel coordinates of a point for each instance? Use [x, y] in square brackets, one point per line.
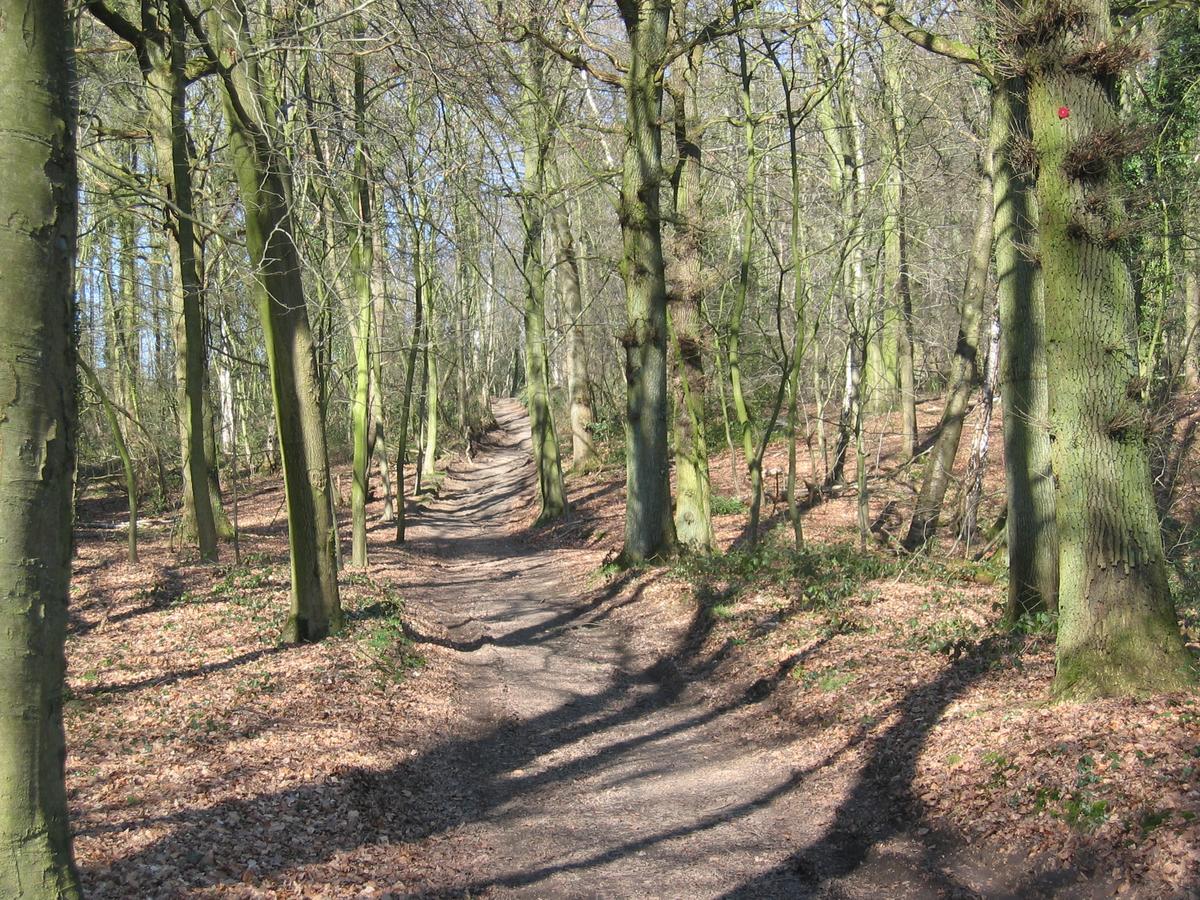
[506, 715]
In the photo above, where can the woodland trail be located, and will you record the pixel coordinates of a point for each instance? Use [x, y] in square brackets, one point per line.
[586, 766]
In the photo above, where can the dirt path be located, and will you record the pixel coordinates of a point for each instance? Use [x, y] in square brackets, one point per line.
[587, 767]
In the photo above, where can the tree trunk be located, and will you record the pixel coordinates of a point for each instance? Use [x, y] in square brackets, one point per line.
[163, 64]
[973, 479]
[264, 184]
[964, 373]
[1191, 334]
[1032, 529]
[410, 377]
[37, 442]
[537, 136]
[429, 395]
[693, 506]
[741, 292]
[1117, 629]
[649, 529]
[362, 260]
[579, 379]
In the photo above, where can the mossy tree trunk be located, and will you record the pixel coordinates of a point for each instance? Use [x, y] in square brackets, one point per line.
[163, 61]
[754, 154]
[362, 258]
[1032, 529]
[264, 183]
[649, 528]
[418, 264]
[1117, 628]
[430, 399]
[569, 279]
[1191, 316]
[37, 442]
[537, 122]
[693, 506]
[1032, 526]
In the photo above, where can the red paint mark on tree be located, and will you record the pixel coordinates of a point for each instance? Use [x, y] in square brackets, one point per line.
[1064, 112]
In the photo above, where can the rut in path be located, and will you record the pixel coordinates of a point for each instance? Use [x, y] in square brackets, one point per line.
[588, 766]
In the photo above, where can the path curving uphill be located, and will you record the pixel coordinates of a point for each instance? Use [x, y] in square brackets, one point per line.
[583, 766]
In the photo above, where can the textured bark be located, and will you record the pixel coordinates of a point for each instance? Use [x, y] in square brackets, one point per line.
[1191, 334]
[964, 373]
[737, 392]
[693, 509]
[1117, 628]
[537, 136]
[410, 376]
[973, 479]
[430, 390]
[37, 442]
[362, 258]
[649, 528]
[161, 54]
[579, 379]
[264, 183]
[1032, 529]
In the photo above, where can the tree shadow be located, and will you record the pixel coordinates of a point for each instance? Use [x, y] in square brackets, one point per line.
[178, 675]
[882, 806]
[165, 592]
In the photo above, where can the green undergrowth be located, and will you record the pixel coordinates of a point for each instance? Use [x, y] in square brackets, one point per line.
[824, 575]
[753, 591]
[378, 629]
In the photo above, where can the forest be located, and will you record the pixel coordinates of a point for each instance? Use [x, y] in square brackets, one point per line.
[649, 448]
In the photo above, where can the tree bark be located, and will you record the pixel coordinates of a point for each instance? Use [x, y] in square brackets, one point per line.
[1117, 628]
[537, 136]
[37, 442]
[362, 259]
[163, 64]
[264, 183]
[649, 528]
[1032, 529]
[693, 506]
[579, 378]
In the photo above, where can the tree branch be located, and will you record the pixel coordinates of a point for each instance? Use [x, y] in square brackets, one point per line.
[931, 41]
[116, 23]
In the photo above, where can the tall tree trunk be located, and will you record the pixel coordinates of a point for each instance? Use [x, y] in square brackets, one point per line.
[378, 434]
[973, 479]
[410, 376]
[579, 379]
[537, 136]
[964, 373]
[362, 260]
[693, 506]
[741, 292]
[264, 183]
[1117, 629]
[649, 528]
[429, 392]
[163, 70]
[37, 442]
[1191, 318]
[1032, 527]
[900, 340]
